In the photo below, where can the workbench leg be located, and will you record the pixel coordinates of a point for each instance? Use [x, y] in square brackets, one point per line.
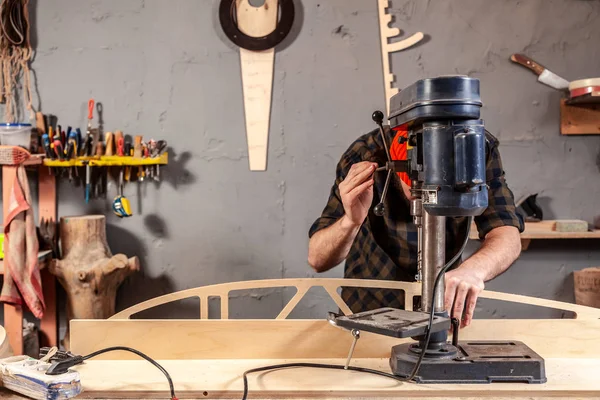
[47, 210]
[13, 314]
[13, 325]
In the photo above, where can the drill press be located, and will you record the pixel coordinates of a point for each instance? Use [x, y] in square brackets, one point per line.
[447, 167]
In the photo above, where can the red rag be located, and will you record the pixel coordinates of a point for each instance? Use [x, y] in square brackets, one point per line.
[22, 279]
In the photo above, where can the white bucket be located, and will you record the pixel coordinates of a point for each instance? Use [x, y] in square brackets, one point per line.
[15, 134]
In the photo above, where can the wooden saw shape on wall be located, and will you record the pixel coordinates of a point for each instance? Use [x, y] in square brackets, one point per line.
[386, 33]
[256, 30]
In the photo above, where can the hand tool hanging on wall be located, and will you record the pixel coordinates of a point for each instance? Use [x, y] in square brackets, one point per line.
[121, 205]
[89, 139]
[545, 76]
[580, 91]
[109, 144]
[256, 30]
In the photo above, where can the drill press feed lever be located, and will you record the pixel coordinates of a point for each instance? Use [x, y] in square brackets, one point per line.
[447, 167]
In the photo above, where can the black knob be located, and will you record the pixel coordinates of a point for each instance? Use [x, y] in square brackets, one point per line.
[379, 210]
[377, 117]
[402, 139]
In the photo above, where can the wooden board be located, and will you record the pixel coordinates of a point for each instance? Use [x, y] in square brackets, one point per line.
[232, 339]
[257, 78]
[222, 379]
[545, 230]
[388, 33]
[581, 119]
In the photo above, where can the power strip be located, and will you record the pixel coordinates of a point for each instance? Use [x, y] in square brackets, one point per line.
[27, 376]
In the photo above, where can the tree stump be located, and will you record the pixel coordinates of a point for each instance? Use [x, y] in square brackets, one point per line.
[88, 271]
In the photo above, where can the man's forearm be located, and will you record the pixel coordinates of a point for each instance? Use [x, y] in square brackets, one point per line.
[500, 248]
[330, 246]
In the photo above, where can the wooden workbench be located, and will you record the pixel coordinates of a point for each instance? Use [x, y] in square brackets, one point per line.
[206, 359]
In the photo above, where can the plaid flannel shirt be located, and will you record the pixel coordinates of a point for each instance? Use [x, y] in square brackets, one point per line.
[386, 247]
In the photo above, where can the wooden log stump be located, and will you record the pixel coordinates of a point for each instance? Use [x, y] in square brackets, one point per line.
[88, 271]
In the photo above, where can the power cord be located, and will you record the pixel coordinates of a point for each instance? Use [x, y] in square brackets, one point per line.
[367, 370]
[145, 357]
[62, 361]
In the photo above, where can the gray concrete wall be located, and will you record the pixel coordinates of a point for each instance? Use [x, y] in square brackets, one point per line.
[164, 69]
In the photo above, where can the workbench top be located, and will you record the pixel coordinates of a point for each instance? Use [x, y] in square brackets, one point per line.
[222, 379]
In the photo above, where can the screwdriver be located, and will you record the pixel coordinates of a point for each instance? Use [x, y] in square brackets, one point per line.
[89, 141]
[79, 142]
[87, 181]
[58, 149]
[71, 146]
[120, 146]
[46, 144]
[109, 143]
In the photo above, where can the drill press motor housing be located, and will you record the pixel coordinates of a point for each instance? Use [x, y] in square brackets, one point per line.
[447, 166]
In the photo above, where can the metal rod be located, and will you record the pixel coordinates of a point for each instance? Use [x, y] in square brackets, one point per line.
[356, 335]
[382, 134]
[434, 258]
[416, 210]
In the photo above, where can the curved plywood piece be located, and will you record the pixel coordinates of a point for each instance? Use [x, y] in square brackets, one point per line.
[386, 33]
[331, 286]
[257, 78]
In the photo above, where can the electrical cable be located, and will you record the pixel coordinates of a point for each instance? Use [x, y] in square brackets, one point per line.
[139, 353]
[367, 370]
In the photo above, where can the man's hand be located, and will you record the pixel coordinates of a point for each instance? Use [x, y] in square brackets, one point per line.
[356, 191]
[463, 286]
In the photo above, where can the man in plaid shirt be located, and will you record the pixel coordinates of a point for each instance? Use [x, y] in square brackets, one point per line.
[386, 247]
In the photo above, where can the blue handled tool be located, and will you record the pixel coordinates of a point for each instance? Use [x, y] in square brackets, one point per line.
[46, 143]
[121, 206]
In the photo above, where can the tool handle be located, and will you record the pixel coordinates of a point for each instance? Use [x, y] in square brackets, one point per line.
[89, 142]
[137, 146]
[91, 109]
[100, 149]
[51, 134]
[527, 62]
[40, 122]
[47, 148]
[58, 149]
[109, 143]
[70, 148]
[118, 135]
[120, 144]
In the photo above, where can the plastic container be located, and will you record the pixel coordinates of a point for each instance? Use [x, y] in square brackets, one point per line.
[15, 134]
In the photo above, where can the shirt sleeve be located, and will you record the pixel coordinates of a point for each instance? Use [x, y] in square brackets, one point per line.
[334, 209]
[501, 210]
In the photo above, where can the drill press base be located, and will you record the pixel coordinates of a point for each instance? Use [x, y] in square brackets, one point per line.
[471, 362]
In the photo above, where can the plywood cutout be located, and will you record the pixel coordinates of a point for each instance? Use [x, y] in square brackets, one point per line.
[386, 32]
[257, 78]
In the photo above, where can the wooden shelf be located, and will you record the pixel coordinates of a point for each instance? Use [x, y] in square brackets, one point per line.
[108, 161]
[543, 230]
[579, 119]
[44, 258]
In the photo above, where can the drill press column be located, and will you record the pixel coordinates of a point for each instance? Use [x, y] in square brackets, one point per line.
[434, 258]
